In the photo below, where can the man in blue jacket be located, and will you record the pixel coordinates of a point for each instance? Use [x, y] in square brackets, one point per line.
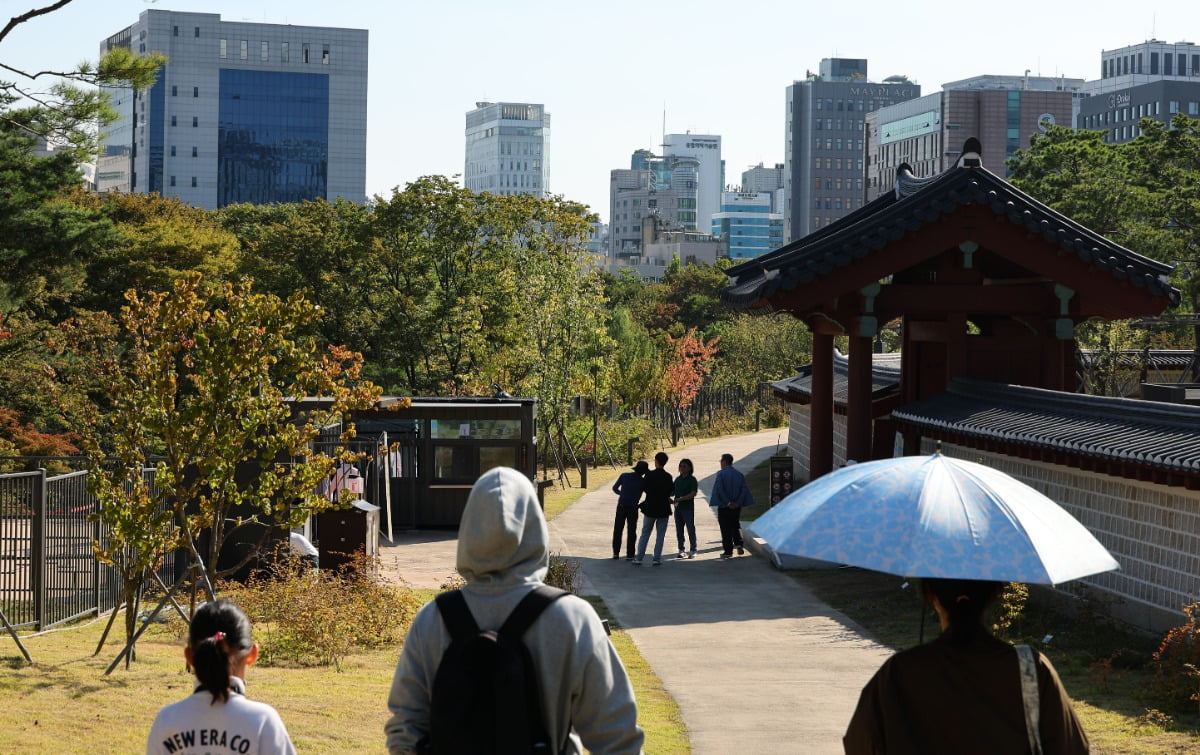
[729, 495]
[628, 488]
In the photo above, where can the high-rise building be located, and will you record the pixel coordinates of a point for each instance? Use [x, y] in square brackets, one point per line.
[747, 224]
[242, 112]
[927, 133]
[705, 149]
[759, 178]
[654, 195]
[508, 149]
[823, 140]
[1153, 79]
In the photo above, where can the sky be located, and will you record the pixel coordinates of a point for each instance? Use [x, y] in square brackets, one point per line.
[610, 73]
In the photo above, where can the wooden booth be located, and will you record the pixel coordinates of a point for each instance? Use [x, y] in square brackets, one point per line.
[438, 447]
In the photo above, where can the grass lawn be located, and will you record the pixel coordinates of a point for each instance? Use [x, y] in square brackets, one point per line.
[64, 703]
[1112, 704]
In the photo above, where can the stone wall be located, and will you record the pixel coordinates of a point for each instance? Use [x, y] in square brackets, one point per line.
[1152, 530]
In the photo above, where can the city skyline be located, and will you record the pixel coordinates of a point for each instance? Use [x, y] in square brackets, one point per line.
[619, 77]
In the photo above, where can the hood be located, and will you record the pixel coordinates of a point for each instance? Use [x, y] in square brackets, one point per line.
[502, 537]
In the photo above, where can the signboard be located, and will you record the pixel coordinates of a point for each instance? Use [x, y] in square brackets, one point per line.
[781, 478]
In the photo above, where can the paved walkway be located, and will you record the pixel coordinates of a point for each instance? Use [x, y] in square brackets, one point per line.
[755, 662]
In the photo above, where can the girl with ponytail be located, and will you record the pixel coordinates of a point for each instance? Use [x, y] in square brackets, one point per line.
[218, 717]
[966, 691]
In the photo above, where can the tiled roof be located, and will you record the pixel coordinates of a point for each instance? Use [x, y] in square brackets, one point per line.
[885, 377]
[1117, 431]
[917, 202]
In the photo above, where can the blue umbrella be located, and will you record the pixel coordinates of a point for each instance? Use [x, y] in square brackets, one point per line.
[933, 516]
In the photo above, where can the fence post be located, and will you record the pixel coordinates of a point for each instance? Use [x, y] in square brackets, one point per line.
[37, 550]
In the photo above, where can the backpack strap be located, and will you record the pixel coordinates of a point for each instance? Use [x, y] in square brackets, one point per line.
[527, 611]
[1029, 693]
[457, 617]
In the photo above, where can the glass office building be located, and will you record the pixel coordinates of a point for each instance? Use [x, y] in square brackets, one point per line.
[242, 112]
[747, 224]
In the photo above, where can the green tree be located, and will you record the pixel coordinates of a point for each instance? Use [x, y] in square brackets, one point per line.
[204, 376]
[65, 113]
[637, 369]
[754, 349]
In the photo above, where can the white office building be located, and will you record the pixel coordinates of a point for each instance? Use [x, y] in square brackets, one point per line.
[705, 149]
[242, 112]
[508, 148]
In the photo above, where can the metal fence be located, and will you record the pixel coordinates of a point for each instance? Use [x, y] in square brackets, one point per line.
[711, 402]
[49, 573]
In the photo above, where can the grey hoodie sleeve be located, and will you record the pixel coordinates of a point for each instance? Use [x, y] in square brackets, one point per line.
[412, 685]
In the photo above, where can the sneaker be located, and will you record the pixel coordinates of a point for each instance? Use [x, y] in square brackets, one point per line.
[616, 556]
[683, 554]
[726, 555]
[656, 562]
[629, 558]
[741, 551]
[691, 554]
[636, 562]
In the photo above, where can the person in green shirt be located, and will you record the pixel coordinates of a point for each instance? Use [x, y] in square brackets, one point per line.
[685, 506]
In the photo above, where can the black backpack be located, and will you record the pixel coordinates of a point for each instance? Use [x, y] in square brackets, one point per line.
[485, 693]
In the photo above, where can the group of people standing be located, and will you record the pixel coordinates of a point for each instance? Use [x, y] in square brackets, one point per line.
[658, 496]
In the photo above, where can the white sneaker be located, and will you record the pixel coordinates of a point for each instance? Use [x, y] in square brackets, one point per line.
[683, 554]
[691, 554]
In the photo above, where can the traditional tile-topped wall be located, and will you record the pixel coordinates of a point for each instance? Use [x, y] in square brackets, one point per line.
[1152, 530]
[798, 442]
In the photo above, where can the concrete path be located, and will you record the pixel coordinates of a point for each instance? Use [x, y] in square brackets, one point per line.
[756, 663]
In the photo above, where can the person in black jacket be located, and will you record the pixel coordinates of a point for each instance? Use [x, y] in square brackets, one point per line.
[659, 487]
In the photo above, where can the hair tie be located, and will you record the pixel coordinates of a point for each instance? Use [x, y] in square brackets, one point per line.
[218, 636]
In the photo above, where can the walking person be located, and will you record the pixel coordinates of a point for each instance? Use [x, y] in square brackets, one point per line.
[218, 715]
[584, 693]
[656, 508]
[686, 488]
[966, 691]
[729, 496]
[628, 488]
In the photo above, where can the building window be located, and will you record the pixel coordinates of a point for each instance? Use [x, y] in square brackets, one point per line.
[1166, 64]
[245, 49]
[195, 91]
[193, 182]
[196, 32]
[325, 55]
[172, 120]
[195, 152]
[174, 90]
[284, 55]
[195, 121]
[1194, 108]
[172, 152]
[172, 180]
[223, 53]
[265, 51]
[304, 52]
[1153, 63]
[174, 31]
[1173, 107]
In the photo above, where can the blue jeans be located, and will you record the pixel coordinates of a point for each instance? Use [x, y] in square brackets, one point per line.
[685, 517]
[659, 523]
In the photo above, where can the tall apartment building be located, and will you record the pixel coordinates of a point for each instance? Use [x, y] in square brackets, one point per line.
[705, 149]
[824, 144]
[748, 225]
[242, 112]
[654, 195]
[1003, 112]
[508, 148]
[1153, 79]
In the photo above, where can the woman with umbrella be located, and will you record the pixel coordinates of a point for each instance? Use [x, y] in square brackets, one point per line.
[965, 530]
[964, 692]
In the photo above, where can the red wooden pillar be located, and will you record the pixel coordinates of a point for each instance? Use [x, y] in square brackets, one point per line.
[858, 400]
[820, 448]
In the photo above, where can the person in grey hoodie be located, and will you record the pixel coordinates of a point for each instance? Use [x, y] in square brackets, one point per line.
[503, 554]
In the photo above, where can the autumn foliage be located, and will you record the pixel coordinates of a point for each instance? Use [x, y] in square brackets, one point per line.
[689, 362]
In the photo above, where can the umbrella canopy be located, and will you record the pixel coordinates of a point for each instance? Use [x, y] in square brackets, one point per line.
[933, 516]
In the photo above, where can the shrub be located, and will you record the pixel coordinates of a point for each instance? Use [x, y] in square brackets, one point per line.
[563, 574]
[316, 618]
[1176, 662]
[1010, 609]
